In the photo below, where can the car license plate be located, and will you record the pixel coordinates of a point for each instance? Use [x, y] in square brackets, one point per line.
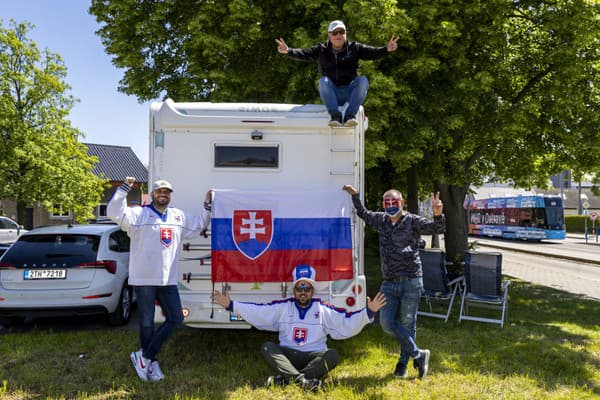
[32, 274]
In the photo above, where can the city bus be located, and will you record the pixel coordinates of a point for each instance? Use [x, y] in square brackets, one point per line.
[533, 217]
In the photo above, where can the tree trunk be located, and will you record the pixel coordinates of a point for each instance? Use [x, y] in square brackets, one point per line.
[21, 207]
[456, 236]
[412, 191]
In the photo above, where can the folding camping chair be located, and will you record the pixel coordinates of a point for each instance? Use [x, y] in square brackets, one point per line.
[483, 286]
[436, 284]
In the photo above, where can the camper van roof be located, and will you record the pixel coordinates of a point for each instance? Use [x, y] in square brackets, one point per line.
[201, 108]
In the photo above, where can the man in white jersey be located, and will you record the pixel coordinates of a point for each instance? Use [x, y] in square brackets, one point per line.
[303, 324]
[156, 231]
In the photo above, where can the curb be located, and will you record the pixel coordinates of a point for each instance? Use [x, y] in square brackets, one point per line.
[539, 253]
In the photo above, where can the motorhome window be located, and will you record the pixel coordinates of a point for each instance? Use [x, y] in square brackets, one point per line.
[247, 156]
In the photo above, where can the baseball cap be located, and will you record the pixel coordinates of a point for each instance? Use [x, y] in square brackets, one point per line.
[304, 273]
[161, 184]
[336, 24]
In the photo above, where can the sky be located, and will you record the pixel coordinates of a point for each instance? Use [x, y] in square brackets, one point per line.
[103, 114]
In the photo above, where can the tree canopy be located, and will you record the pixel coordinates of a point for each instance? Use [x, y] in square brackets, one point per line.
[41, 159]
[478, 88]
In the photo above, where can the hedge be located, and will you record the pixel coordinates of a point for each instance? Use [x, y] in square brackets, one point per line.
[576, 223]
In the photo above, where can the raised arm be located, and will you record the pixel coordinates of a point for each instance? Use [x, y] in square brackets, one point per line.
[116, 208]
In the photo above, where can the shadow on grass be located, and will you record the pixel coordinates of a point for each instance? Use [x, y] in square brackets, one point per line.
[548, 337]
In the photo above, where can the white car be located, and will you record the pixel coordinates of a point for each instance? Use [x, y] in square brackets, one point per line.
[9, 230]
[67, 270]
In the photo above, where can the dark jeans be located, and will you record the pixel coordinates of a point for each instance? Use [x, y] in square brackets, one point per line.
[168, 299]
[399, 315]
[297, 364]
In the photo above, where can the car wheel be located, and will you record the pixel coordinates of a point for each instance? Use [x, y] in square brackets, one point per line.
[122, 313]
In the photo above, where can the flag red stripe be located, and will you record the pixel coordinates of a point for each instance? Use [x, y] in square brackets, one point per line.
[277, 265]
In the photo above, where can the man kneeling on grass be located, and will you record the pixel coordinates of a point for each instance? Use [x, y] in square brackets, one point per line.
[303, 324]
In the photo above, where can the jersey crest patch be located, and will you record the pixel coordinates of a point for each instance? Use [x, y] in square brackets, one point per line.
[166, 236]
[300, 335]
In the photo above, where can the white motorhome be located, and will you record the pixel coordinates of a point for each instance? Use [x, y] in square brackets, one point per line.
[257, 146]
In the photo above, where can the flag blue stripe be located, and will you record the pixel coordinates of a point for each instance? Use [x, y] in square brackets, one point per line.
[292, 234]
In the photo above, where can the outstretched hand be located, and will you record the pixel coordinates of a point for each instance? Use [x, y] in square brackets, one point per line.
[378, 301]
[436, 204]
[392, 45]
[282, 47]
[221, 298]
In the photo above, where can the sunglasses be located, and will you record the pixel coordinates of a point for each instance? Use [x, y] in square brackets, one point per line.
[304, 289]
[339, 32]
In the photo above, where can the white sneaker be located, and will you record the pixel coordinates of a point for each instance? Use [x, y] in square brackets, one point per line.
[140, 363]
[154, 372]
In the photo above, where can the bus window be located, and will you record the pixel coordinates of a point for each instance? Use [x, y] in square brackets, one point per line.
[554, 214]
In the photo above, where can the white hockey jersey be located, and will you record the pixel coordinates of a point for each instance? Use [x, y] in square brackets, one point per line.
[303, 329]
[155, 238]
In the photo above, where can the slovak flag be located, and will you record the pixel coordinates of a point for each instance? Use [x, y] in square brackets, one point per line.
[261, 236]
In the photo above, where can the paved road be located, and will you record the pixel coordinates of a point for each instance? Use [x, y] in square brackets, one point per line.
[572, 265]
[561, 274]
[574, 247]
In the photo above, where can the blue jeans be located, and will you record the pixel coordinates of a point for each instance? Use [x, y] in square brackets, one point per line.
[168, 299]
[399, 315]
[334, 96]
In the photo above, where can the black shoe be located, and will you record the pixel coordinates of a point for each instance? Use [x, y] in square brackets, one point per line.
[277, 380]
[350, 120]
[311, 384]
[400, 371]
[336, 120]
[422, 363]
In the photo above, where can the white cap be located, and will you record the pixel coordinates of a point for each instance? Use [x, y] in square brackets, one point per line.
[304, 273]
[336, 24]
[161, 184]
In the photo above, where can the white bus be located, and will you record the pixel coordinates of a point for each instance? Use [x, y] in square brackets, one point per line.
[252, 146]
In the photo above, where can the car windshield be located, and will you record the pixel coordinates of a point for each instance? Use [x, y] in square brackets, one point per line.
[54, 250]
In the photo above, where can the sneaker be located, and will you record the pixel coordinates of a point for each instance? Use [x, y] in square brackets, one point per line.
[350, 120]
[140, 363]
[311, 384]
[154, 372]
[277, 380]
[336, 120]
[422, 363]
[400, 371]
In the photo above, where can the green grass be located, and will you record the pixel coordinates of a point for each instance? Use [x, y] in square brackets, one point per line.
[549, 349]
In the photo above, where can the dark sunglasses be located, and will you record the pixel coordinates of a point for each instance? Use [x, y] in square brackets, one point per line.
[335, 33]
[305, 289]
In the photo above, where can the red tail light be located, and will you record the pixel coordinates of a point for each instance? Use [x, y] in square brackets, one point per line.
[357, 289]
[6, 266]
[97, 296]
[350, 301]
[109, 265]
